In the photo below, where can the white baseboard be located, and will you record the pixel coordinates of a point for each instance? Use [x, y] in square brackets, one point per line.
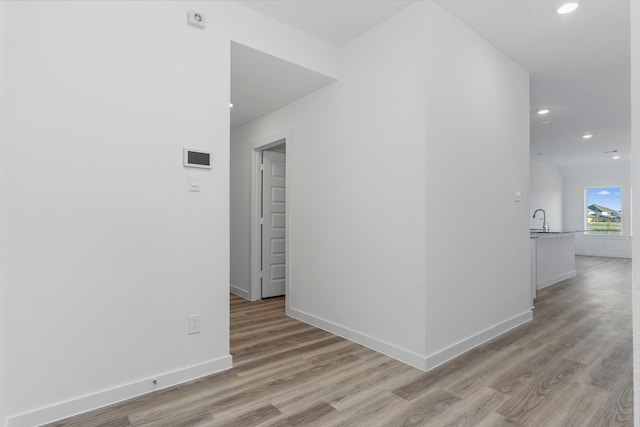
[240, 292]
[605, 254]
[401, 354]
[118, 394]
[442, 356]
[555, 279]
[410, 358]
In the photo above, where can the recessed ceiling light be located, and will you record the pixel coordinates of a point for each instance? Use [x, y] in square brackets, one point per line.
[587, 136]
[567, 8]
[543, 111]
[230, 105]
[615, 157]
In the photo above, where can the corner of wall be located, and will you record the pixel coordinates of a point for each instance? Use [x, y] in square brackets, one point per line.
[635, 185]
[440, 357]
[391, 350]
[239, 292]
[479, 300]
[3, 345]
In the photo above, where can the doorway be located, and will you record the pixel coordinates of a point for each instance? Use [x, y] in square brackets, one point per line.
[272, 222]
[270, 229]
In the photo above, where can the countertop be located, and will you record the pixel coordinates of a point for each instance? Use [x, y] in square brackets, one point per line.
[539, 234]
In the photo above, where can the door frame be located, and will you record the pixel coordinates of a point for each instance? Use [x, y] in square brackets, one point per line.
[256, 197]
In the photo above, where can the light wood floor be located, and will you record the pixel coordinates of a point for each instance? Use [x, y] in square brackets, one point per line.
[570, 366]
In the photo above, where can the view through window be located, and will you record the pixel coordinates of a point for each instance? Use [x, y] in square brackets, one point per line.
[604, 211]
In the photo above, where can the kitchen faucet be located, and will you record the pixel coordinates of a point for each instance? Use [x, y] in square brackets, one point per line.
[545, 226]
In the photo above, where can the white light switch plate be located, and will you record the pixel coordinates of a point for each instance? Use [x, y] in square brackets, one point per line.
[194, 182]
[193, 324]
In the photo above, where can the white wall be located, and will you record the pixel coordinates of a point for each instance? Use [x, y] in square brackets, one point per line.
[546, 189]
[240, 221]
[357, 201]
[108, 251]
[3, 335]
[381, 186]
[477, 158]
[635, 180]
[574, 214]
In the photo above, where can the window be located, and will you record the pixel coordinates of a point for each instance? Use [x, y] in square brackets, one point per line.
[604, 213]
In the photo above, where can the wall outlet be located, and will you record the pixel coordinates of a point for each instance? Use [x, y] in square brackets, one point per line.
[193, 324]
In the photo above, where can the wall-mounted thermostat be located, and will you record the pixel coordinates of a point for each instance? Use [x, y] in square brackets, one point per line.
[197, 158]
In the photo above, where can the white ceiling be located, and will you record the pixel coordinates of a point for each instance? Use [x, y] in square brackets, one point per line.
[580, 69]
[579, 65]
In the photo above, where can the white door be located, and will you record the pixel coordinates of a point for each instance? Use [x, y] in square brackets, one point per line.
[273, 224]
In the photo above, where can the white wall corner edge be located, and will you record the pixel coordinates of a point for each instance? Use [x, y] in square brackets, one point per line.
[239, 292]
[436, 359]
[393, 351]
[119, 394]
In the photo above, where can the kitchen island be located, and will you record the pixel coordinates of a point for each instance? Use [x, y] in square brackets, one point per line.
[553, 258]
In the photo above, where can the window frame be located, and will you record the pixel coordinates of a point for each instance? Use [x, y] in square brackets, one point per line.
[585, 217]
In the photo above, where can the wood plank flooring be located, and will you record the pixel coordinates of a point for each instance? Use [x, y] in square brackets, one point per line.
[570, 366]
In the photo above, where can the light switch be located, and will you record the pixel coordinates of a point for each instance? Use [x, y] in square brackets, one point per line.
[193, 324]
[194, 182]
[517, 196]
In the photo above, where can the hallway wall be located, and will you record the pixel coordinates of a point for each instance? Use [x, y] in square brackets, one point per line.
[108, 252]
[390, 175]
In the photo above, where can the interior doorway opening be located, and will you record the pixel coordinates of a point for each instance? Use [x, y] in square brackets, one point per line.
[270, 220]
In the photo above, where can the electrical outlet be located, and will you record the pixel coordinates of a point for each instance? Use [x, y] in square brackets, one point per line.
[193, 324]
